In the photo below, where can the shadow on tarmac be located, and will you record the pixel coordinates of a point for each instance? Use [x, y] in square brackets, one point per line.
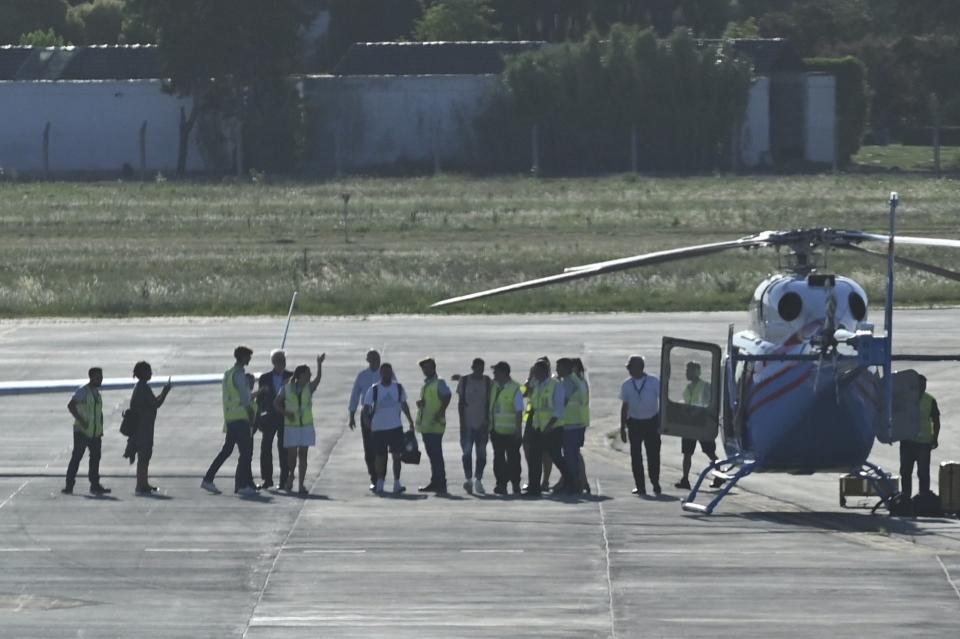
[848, 522]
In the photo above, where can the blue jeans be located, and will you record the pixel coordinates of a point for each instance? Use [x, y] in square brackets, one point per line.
[469, 439]
[238, 434]
[433, 443]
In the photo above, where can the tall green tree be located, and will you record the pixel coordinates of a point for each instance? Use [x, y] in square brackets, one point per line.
[18, 17]
[456, 20]
[227, 55]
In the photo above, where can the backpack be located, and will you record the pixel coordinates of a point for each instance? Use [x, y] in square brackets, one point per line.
[376, 387]
[128, 423]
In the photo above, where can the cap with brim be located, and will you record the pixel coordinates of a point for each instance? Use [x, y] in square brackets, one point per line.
[501, 366]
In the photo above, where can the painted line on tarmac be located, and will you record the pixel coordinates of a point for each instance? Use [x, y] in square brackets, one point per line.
[357, 551]
[26, 550]
[946, 573]
[509, 551]
[177, 550]
[14, 494]
[606, 560]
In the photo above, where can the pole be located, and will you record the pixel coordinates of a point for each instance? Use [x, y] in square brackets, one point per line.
[346, 219]
[535, 150]
[888, 319]
[286, 329]
[935, 120]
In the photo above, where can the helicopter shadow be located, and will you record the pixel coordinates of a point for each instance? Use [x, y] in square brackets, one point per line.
[849, 522]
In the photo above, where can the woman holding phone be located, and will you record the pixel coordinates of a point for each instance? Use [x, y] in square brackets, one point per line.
[144, 405]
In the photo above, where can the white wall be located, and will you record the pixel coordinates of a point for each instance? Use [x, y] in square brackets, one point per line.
[94, 126]
[375, 121]
[820, 117]
[755, 132]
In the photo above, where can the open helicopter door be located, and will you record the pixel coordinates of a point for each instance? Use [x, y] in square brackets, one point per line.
[906, 408]
[689, 389]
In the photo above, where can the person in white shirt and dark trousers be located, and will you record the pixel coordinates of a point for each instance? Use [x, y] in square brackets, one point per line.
[364, 381]
[640, 419]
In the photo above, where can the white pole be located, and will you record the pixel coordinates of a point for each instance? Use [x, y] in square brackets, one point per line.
[286, 329]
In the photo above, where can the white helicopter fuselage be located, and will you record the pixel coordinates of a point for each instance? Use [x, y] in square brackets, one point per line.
[801, 416]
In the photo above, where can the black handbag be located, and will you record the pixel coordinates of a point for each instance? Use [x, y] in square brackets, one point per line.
[411, 451]
[128, 423]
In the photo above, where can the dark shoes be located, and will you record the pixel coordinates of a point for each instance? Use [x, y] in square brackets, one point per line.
[683, 483]
[265, 485]
[98, 489]
[717, 483]
[67, 490]
[656, 490]
[499, 490]
[429, 488]
[640, 492]
[516, 489]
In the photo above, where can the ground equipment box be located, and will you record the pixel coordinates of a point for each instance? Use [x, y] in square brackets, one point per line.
[950, 486]
[853, 486]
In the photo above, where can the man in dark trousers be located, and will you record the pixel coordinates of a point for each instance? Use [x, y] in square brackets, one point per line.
[86, 406]
[270, 421]
[640, 419]
[364, 381]
[917, 451]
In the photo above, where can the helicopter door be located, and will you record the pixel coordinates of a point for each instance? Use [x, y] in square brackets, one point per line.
[906, 407]
[689, 389]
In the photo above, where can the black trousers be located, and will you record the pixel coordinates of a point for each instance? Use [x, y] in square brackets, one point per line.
[534, 446]
[270, 428]
[80, 444]
[238, 434]
[914, 453]
[645, 433]
[553, 444]
[369, 452]
[506, 459]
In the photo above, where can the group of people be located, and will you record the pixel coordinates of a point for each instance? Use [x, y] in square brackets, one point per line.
[543, 418]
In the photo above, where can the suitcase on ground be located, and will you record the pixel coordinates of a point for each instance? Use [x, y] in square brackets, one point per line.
[927, 505]
[950, 486]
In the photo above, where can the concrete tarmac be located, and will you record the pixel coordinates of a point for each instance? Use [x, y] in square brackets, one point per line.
[780, 558]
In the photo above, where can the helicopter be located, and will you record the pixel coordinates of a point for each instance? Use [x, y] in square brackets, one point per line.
[809, 386]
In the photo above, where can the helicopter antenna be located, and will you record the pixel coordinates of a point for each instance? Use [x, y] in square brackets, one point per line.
[888, 316]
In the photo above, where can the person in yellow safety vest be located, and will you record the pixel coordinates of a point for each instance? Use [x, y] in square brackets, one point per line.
[239, 416]
[506, 423]
[546, 461]
[299, 431]
[696, 393]
[86, 406]
[581, 374]
[571, 426]
[432, 423]
[917, 451]
[547, 401]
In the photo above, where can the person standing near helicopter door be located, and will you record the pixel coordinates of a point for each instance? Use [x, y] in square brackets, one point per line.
[640, 423]
[697, 393]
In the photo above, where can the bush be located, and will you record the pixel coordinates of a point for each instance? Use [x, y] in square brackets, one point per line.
[456, 20]
[41, 38]
[681, 96]
[853, 104]
[98, 22]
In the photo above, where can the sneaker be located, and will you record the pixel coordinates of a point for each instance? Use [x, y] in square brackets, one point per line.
[683, 483]
[373, 487]
[248, 491]
[429, 488]
[468, 486]
[545, 486]
[499, 490]
[67, 490]
[265, 485]
[303, 491]
[478, 487]
[210, 486]
[517, 490]
[442, 489]
[398, 487]
[378, 487]
[640, 492]
[97, 489]
[717, 483]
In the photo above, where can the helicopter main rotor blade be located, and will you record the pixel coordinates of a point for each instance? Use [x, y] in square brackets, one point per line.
[912, 263]
[611, 266]
[902, 239]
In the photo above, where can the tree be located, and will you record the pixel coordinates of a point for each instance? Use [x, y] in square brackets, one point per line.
[41, 38]
[98, 22]
[366, 21]
[18, 17]
[456, 20]
[224, 54]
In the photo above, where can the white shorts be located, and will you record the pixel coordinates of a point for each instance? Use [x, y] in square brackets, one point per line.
[299, 436]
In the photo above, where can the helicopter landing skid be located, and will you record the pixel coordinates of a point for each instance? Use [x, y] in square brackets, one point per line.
[745, 469]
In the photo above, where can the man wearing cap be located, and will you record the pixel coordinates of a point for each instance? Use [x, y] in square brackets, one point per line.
[365, 379]
[547, 402]
[270, 421]
[506, 419]
[473, 407]
[383, 402]
[639, 418]
[432, 423]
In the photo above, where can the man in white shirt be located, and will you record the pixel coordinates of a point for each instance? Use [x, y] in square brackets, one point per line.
[640, 418]
[383, 402]
[365, 380]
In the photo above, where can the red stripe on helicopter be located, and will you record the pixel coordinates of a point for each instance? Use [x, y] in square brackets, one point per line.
[778, 394]
[756, 389]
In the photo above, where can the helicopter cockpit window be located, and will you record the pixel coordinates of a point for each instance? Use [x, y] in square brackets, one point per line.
[858, 307]
[689, 389]
[790, 306]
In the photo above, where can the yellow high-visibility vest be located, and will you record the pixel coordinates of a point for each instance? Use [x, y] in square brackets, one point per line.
[233, 410]
[926, 420]
[436, 423]
[543, 404]
[91, 409]
[503, 414]
[300, 403]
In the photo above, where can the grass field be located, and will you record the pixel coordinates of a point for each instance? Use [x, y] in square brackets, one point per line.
[907, 158]
[177, 248]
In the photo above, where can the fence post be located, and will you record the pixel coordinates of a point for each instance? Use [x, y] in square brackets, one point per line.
[935, 118]
[535, 150]
[143, 151]
[46, 151]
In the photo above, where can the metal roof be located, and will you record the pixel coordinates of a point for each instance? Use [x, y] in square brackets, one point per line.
[137, 62]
